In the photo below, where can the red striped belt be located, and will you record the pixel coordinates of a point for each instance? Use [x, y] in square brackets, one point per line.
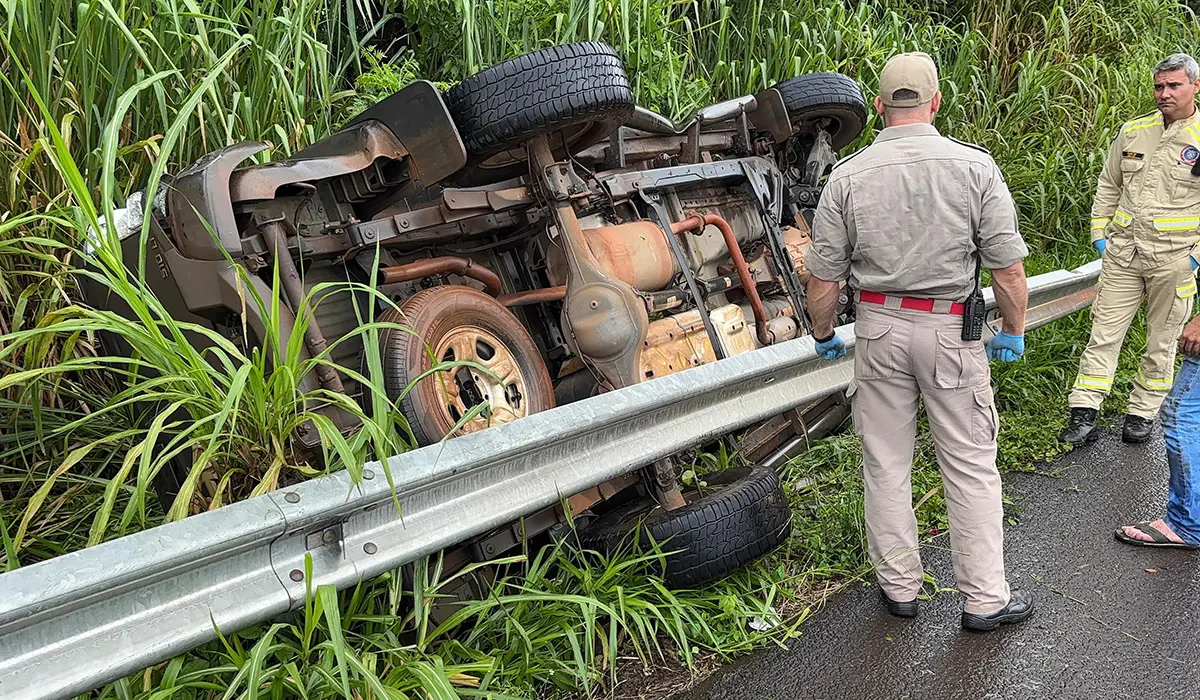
[937, 306]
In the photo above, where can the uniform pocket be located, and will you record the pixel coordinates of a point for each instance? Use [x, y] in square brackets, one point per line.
[1185, 298]
[957, 362]
[874, 351]
[985, 421]
[1131, 174]
[855, 420]
[1184, 185]
[1104, 262]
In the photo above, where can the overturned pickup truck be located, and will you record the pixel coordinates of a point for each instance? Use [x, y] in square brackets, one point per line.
[535, 221]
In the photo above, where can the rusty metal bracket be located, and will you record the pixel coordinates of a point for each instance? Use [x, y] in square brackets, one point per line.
[488, 200]
[658, 213]
[622, 185]
[741, 139]
[769, 195]
[614, 156]
[691, 147]
[662, 480]
[275, 237]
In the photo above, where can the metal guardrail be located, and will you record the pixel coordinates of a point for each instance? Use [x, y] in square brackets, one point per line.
[84, 619]
[1054, 295]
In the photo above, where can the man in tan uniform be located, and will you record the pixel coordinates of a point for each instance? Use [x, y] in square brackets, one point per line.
[905, 221]
[1145, 223]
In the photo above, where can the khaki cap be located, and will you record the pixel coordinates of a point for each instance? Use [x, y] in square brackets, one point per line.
[909, 71]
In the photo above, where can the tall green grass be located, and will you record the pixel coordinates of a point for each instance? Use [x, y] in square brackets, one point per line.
[236, 69]
[277, 67]
[99, 99]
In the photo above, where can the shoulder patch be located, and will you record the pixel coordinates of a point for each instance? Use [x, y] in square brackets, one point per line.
[968, 144]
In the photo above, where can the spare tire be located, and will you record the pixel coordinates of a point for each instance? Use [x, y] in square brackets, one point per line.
[834, 96]
[449, 323]
[577, 91]
[739, 516]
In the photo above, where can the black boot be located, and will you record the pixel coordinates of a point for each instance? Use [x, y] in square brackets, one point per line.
[1020, 606]
[906, 608]
[1137, 429]
[1082, 430]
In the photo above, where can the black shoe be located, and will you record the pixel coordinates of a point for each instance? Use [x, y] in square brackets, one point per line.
[1020, 606]
[1082, 430]
[1137, 429]
[899, 609]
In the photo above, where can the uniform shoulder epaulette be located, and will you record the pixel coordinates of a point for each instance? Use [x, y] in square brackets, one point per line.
[844, 160]
[968, 144]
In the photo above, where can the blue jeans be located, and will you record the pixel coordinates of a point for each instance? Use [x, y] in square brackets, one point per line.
[1180, 414]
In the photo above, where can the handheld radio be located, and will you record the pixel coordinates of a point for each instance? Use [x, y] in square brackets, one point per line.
[975, 310]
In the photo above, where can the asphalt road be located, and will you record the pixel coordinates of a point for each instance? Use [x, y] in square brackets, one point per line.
[1104, 627]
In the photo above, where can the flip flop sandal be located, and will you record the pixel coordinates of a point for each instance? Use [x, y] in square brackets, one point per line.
[1160, 540]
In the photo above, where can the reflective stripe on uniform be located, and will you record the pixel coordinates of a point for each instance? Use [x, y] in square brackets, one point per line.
[1184, 223]
[1194, 130]
[1184, 291]
[1083, 381]
[1122, 218]
[1143, 123]
[1098, 224]
[1154, 384]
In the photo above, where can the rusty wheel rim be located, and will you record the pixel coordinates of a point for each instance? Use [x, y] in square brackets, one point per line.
[461, 388]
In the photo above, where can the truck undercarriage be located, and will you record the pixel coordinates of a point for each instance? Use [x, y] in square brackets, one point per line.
[542, 239]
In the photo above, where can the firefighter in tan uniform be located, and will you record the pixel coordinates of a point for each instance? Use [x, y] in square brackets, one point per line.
[905, 221]
[1145, 223]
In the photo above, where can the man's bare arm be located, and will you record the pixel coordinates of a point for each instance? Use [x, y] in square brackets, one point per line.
[822, 303]
[1189, 340]
[1012, 297]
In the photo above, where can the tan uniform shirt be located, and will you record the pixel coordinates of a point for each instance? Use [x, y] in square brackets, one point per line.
[1147, 200]
[906, 215]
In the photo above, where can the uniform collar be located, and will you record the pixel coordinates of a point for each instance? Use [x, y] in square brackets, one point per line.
[1194, 119]
[907, 130]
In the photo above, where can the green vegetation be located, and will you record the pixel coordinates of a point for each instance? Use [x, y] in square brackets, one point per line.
[100, 98]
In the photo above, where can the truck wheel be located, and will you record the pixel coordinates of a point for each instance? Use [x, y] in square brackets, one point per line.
[579, 91]
[460, 323]
[739, 516]
[825, 95]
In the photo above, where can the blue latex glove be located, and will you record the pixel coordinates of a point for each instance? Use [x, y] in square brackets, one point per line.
[1005, 347]
[1100, 245]
[1194, 263]
[831, 349]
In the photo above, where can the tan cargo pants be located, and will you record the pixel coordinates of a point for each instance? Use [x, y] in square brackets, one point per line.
[899, 357]
[1170, 291]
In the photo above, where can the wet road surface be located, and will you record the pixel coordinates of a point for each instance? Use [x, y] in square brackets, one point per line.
[1104, 627]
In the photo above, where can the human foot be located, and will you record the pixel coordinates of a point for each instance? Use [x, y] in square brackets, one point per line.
[1151, 534]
